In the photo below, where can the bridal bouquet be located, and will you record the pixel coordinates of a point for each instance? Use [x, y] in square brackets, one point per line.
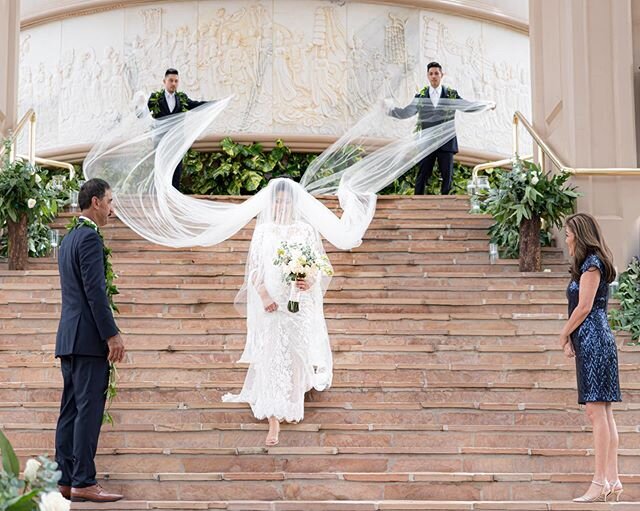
[299, 261]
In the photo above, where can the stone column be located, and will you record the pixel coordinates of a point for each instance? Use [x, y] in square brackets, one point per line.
[584, 105]
[9, 53]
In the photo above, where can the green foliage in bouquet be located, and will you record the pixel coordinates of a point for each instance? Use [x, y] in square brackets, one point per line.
[37, 484]
[522, 193]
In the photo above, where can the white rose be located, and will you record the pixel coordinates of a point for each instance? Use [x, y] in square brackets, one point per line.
[38, 179]
[534, 180]
[31, 470]
[31, 203]
[54, 501]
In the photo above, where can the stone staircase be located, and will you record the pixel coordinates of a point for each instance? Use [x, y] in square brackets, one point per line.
[450, 391]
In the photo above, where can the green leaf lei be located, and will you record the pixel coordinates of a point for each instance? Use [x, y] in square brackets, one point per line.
[112, 290]
[154, 101]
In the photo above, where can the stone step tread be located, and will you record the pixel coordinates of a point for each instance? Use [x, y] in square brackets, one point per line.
[317, 427]
[341, 450]
[356, 505]
[330, 405]
[338, 368]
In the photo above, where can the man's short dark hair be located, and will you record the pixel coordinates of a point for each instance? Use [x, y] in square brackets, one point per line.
[434, 64]
[93, 188]
[171, 71]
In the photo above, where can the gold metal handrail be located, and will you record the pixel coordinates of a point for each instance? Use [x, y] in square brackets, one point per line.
[54, 163]
[543, 150]
[30, 117]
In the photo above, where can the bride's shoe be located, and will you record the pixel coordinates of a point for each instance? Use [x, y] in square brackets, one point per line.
[616, 489]
[601, 497]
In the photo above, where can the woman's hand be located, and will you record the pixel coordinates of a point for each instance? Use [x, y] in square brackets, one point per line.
[567, 347]
[303, 285]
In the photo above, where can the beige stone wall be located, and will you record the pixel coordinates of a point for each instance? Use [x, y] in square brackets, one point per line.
[9, 40]
[583, 104]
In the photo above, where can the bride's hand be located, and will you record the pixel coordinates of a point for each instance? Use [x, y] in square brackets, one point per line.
[303, 285]
[268, 303]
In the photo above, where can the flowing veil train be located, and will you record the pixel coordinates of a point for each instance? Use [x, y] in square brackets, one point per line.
[138, 158]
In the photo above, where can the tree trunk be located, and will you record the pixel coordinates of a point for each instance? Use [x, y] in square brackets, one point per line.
[530, 253]
[18, 244]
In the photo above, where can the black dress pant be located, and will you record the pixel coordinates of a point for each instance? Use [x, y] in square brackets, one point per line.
[83, 401]
[445, 164]
[177, 175]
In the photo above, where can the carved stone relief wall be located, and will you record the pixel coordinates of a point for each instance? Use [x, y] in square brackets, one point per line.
[293, 66]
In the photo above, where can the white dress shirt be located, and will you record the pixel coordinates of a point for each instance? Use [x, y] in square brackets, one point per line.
[171, 100]
[435, 94]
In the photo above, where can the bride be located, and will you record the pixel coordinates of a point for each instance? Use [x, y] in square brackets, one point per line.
[288, 352]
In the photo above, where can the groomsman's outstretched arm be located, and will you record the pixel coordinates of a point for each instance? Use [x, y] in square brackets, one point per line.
[404, 113]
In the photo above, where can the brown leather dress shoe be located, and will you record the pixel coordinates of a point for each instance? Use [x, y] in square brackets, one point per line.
[65, 491]
[93, 493]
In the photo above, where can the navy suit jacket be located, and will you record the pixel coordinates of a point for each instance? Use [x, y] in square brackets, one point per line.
[86, 321]
[429, 116]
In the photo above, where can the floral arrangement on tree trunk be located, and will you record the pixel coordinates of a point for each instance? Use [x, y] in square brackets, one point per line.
[36, 490]
[298, 262]
[25, 198]
[525, 204]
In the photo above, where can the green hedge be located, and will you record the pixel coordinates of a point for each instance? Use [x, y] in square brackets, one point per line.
[243, 169]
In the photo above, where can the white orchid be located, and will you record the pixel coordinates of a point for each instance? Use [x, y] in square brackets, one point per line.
[31, 470]
[54, 501]
[31, 203]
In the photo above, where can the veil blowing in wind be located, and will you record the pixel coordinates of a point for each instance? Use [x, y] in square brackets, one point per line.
[287, 348]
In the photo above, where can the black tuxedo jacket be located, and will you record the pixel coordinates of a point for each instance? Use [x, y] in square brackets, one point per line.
[86, 321]
[428, 115]
[189, 104]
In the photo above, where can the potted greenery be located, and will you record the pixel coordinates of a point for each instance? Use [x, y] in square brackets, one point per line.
[36, 490]
[627, 316]
[521, 202]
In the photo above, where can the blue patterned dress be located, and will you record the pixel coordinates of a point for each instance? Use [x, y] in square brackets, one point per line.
[594, 343]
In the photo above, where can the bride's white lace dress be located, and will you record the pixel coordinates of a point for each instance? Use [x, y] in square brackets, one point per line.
[289, 353]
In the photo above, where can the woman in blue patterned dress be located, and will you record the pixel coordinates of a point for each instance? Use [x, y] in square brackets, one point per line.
[587, 337]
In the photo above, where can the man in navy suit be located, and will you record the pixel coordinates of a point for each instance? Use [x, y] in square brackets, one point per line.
[87, 340]
[425, 105]
[168, 101]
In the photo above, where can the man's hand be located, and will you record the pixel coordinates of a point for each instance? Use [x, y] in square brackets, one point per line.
[116, 349]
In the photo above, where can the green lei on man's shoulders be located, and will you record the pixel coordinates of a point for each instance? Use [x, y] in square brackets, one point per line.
[451, 92]
[109, 275]
[154, 101]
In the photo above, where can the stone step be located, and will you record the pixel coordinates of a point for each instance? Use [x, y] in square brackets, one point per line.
[359, 505]
[409, 268]
[424, 355]
[409, 376]
[229, 435]
[349, 412]
[241, 462]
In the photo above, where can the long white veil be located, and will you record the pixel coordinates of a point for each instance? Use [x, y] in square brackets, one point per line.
[139, 155]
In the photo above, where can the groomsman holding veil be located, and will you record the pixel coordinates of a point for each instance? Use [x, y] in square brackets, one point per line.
[426, 105]
[169, 101]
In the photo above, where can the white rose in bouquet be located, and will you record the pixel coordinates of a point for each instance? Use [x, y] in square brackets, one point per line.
[31, 470]
[54, 501]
